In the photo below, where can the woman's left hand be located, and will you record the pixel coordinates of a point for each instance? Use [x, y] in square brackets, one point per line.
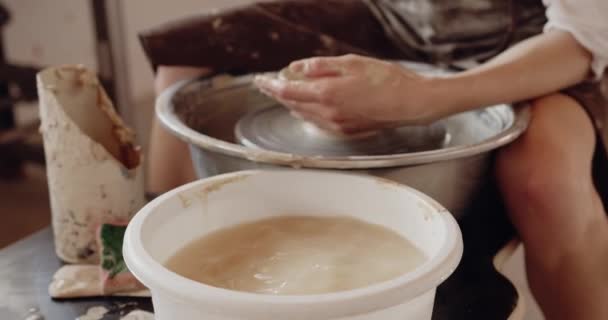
[351, 94]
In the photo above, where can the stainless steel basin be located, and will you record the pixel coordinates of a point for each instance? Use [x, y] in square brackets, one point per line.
[204, 113]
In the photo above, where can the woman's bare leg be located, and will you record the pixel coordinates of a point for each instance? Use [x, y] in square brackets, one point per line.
[547, 183]
[169, 163]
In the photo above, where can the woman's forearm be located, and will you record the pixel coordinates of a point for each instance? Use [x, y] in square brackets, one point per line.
[541, 65]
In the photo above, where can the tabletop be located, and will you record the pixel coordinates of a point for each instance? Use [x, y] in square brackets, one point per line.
[475, 291]
[26, 269]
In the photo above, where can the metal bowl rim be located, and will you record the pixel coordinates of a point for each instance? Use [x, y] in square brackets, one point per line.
[168, 118]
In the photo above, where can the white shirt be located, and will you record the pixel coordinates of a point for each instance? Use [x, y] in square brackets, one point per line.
[587, 21]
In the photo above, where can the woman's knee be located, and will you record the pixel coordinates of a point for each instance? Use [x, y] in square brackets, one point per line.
[553, 158]
[562, 122]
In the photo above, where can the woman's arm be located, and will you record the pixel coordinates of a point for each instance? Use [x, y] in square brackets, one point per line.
[353, 93]
[543, 64]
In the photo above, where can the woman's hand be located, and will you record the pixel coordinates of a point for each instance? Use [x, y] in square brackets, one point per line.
[351, 94]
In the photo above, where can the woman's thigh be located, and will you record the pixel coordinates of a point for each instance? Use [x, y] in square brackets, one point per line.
[546, 178]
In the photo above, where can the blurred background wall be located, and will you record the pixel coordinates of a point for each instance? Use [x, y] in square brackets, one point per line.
[63, 31]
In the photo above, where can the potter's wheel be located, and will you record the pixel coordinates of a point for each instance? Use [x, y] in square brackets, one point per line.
[275, 129]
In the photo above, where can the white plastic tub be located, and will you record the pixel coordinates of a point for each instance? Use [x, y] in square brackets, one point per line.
[189, 212]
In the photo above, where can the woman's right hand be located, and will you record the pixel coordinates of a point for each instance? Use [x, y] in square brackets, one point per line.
[351, 94]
